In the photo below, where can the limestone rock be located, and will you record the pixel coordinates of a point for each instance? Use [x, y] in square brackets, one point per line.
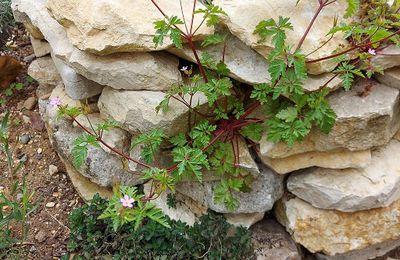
[244, 219]
[387, 58]
[243, 17]
[40, 47]
[76, 86]
[362, 123]
[374, 186]
[131, 71]
[371, 252]
[331, 160]
[136, 110]
[265, 190]
[22, 17]
[256, 70]
[116, 138]
[156, 71]
[186, 210]
[85, 187]
[105, 27]
[272, 242]
[44, 71]
[333, 232]
[236, 54]
[391, 77]
[100, 167]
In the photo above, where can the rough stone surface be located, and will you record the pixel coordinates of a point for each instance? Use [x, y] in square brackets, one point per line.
[244, 219]
[44, 71]
[76, 86]
[387, 58]
[371, 252]
[136, 110]
[265, 190]
[116, 137]
[391, 77]
[186, 209]
[156, 71]
[40, 47]
[30, 103]
[243, 17]
[105, 27]
[100, 167]
[131, 71]
[333, 232]
[331, 160]
[374, 186]
[272, 242]
[22, 17]
[362, 123]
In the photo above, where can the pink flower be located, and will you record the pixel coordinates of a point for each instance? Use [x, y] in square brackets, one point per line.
[127, 202]
[55, 102]
[372, 51]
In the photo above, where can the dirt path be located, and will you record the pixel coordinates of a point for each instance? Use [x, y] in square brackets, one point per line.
[53, 193]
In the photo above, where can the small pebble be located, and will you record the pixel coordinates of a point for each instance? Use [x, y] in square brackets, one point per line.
[52, 169]
[29, 58]
[39, 156]
[50, 204]
[26, 119]
[30, 103]
[24, 139]
[40, 236]
[39, 150]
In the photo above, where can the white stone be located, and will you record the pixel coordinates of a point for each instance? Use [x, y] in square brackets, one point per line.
[76, 86]
[265, 190]
[333, 232]
[131, 71]
[40, 47]
[106, 27]
[374, 186]
[243, 17]
[391, 77]
[362, 123]
[186, 210]
[331, 160]
[44, 71]
[136, 110]
[387, 58]
[244, 219]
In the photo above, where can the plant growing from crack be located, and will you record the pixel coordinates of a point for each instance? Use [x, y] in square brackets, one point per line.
[213, 137]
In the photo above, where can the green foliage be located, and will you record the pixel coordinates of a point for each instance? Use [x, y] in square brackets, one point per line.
[80, 148]
[6, 16]
[352, 8]
[140, 211]
[274, 30]
[211, 14]
[213, 39]
[209, 238]
[190, 161]
[201, 134]
[150, 144]
[168, 27]
[347, 72]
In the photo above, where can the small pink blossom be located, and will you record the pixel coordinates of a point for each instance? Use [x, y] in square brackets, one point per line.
[55, 102]
[185, 68]
[127, 202]
[372, 51]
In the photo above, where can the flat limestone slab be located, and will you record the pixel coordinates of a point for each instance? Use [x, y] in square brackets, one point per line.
[391, 77]
[374, 186]
[109, 26]
[243, 17]
[362, 123]
[333, 232]
[330, 160]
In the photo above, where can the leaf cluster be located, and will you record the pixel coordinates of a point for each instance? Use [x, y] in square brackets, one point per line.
[211, 237]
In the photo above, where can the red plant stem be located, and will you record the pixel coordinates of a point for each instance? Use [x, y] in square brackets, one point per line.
[191, 108]
[196, 56]
[192, 21]
[353, 48]
[251, 109]
[166, 17]
[321, 6]
[109, 147]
